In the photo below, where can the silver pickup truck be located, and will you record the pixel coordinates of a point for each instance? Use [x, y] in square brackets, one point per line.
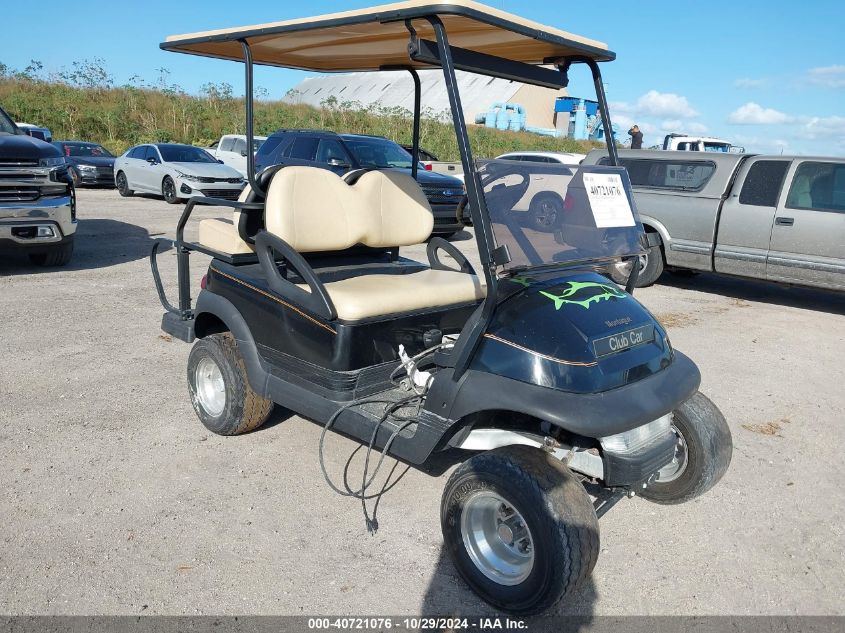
[779, 218]
[37, 201]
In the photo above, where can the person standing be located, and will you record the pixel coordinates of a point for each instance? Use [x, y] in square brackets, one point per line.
[636, 137]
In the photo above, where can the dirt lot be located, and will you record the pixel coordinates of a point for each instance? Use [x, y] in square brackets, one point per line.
[117, 501]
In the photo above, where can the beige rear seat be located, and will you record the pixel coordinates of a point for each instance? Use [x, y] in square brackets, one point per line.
[222, 235]
[315, 210]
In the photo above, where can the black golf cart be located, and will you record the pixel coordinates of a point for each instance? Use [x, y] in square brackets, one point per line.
[562, 389]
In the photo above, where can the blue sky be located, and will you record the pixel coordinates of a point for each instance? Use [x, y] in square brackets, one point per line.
[767, 75]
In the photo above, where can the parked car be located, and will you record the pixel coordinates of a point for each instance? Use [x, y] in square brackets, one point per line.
[426, 157]
[430, 162]
[175, 172]
[37, 202]
[780, 218]
[564, 158]
[541, 208]
[342, 153]
[88, 163]
[35, 131]
[231, 149]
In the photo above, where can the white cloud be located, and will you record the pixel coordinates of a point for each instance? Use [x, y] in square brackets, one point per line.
[688, 127]
[659, 104]
[828, 76]
[751, 84]
[824, 136]
[666, 104]
[832, 127]
[755, 114]
[671, 125]
[695, 127]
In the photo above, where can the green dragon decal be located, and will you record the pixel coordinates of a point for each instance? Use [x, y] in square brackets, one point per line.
[600, 292]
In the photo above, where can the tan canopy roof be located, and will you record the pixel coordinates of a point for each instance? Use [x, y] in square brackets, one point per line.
[367, 39]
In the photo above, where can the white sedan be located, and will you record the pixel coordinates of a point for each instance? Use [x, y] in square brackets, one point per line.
[564, 158]
[175, 172]
[543, 203]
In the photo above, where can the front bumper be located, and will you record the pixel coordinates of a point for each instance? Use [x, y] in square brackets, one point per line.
[19, 220]
[631, 469]
[190, 188]
[99, 178]
[445, 218]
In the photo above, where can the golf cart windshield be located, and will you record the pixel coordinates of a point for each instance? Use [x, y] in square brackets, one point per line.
[548, 214]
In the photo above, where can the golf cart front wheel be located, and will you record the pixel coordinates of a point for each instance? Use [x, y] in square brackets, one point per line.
[702, 453]
[220, 392]
[519, 527]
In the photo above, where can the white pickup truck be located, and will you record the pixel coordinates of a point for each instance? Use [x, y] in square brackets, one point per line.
[231, 149]
[687, 143]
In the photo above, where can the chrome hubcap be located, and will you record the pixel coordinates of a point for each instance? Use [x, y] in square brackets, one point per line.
[497, 538]
[675, 468]
[210, 388]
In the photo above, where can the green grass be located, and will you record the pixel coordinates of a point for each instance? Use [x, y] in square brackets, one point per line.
[121, 117]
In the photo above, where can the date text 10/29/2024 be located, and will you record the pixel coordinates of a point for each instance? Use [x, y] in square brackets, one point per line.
[416, 624]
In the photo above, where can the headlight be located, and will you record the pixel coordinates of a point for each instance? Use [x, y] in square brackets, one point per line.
[191, 177]
[87, 168]
[54, 161]
[635, 439]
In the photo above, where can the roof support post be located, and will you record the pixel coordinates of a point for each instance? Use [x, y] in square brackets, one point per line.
[248, 100]
[415, 143]
[564, 66]
[605, 111]
[477, 324]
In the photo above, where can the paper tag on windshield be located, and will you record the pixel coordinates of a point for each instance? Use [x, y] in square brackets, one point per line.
[608, 201]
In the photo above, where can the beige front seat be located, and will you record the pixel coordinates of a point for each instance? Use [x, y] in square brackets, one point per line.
[314, 210]
[222, 235]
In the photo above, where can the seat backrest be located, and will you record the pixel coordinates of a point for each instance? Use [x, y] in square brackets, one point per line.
[314, 210]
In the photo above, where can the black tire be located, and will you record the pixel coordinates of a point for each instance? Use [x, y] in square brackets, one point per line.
[651, 268]
[556, 509]
[56, 256]
[168, 190]
[705, 445]
[243, 410]
[545, 212]
[123, 185]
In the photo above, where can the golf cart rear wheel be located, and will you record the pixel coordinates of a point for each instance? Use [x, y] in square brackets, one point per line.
[702, 454]
[519, 527]
[220, 392]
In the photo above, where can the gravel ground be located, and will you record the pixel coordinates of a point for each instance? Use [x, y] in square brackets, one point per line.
[117, 501]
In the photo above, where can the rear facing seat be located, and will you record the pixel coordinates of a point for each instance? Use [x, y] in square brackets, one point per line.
[222, 235]
[314, 210]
